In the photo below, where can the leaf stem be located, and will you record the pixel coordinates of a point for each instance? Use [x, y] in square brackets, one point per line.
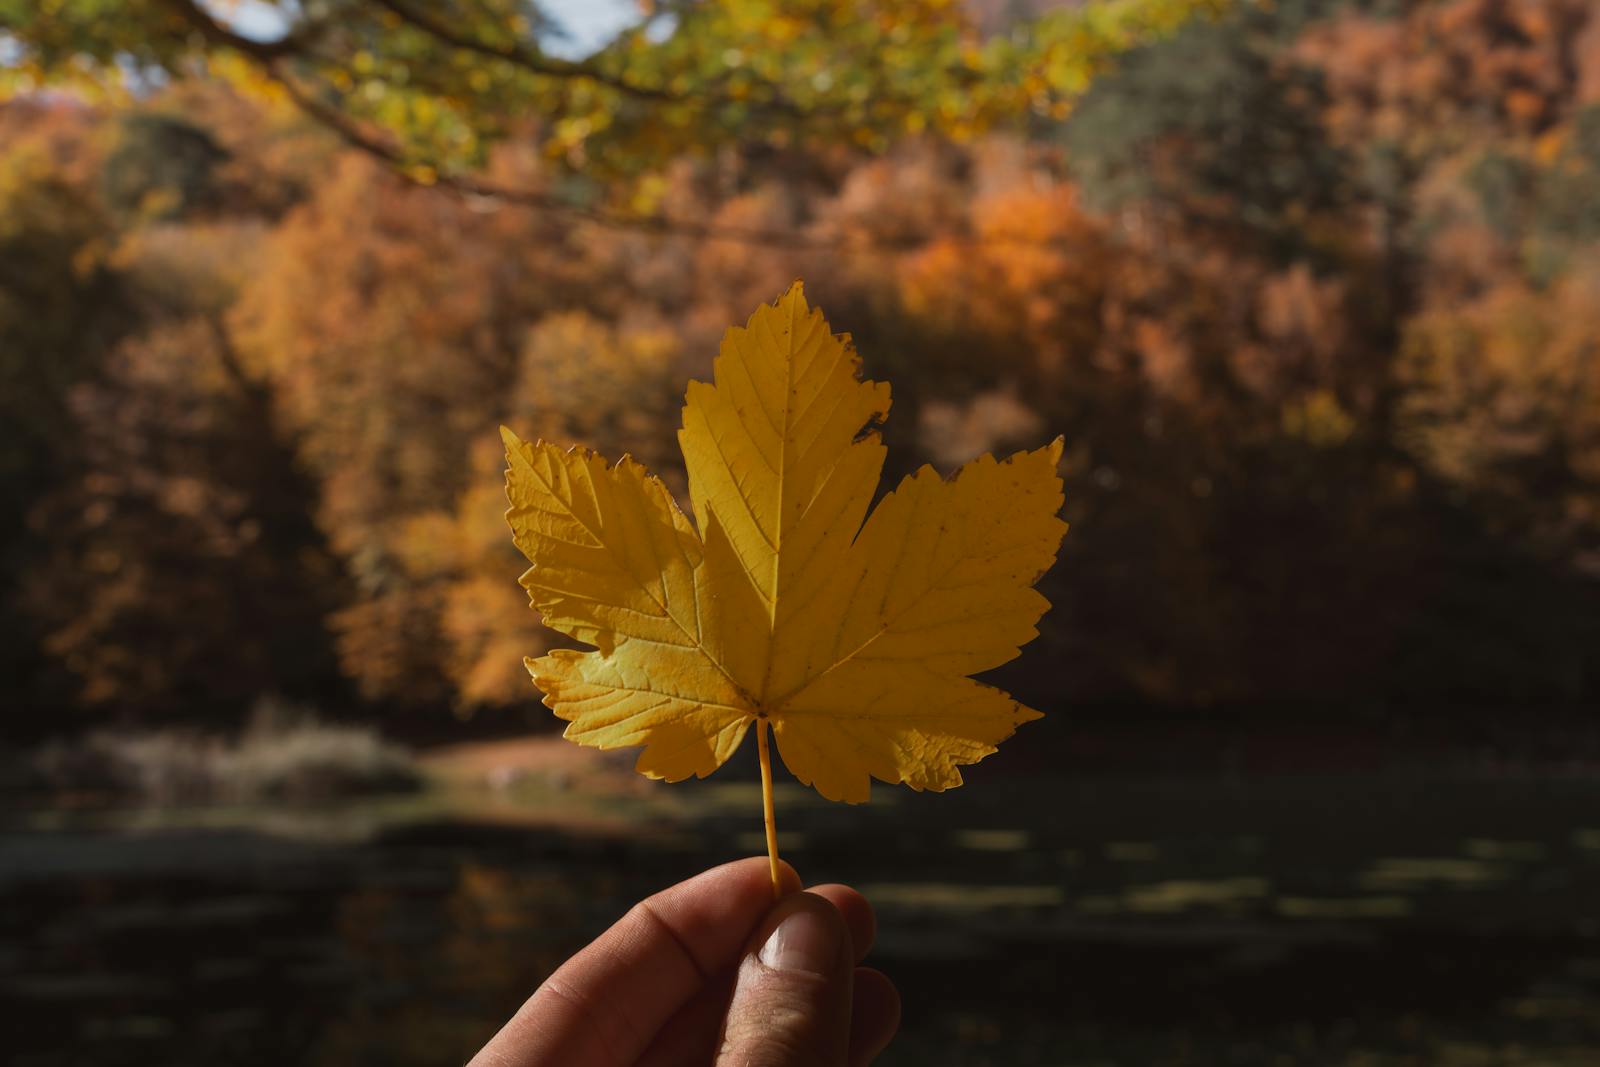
[766, 804]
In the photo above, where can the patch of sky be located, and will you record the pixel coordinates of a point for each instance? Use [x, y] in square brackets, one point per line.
[259, 20]
[573, 29]
[586, 26]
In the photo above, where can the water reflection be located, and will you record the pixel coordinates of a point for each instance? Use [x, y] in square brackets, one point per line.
[1180, 922]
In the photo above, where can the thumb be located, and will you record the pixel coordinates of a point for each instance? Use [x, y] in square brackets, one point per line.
[791, 999]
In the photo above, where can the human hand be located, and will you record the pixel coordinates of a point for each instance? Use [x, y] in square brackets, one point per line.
[710, 971]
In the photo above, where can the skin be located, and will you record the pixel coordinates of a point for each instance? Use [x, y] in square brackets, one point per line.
[682, 980]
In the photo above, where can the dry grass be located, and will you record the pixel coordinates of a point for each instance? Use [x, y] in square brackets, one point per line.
[284, 754]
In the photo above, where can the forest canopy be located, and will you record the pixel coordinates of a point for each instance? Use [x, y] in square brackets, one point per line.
[1312, 291]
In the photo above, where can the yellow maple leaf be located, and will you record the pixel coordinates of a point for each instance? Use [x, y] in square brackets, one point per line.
[778, 605]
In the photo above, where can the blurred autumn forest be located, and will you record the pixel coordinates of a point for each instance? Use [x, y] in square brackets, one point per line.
[1312, 290]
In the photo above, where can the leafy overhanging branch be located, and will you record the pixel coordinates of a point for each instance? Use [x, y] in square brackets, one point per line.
[981, 86]
[353, 135]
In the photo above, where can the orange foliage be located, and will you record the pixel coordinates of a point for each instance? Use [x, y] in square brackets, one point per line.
[1270, 420]
[1510, 62]
[384, 316]
[1033, 269]
[1504, 395]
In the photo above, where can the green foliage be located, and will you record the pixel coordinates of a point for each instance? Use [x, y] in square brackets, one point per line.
[1567, 196]
[1216, 121]
[433, 86]
[61, 305]
[161, 168]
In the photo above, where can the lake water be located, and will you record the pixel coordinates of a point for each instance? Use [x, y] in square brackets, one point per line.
[1373, 919]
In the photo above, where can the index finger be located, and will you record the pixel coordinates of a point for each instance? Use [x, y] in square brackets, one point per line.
[603, 1006]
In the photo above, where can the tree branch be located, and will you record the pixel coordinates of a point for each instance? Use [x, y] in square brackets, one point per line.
[548, 66]
[527, 59]
[351, 133]
[293, 43]
[356, 137]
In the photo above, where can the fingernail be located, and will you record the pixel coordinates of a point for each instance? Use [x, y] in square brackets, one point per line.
[803, 941]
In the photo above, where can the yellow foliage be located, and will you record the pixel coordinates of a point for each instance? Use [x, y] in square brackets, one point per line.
[853, 642]
[1499, 383]
[1319, 420]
